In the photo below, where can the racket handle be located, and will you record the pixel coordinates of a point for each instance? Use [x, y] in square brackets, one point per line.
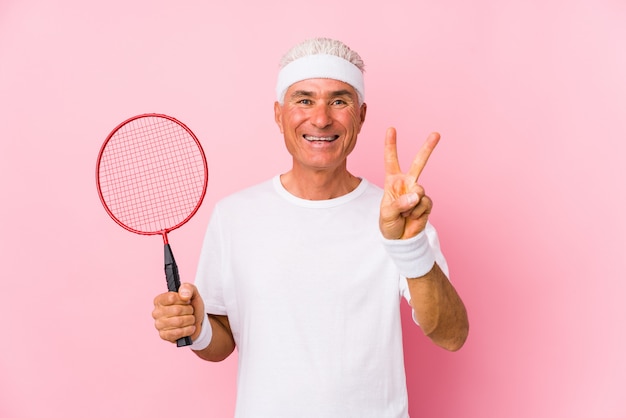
[173, 283]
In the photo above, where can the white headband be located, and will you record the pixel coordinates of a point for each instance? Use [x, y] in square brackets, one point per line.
[320, 66]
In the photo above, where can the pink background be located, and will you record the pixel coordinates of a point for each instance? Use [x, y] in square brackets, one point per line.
[528, 184]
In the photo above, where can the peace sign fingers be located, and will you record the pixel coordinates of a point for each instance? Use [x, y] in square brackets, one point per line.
[404, 208]
[392, 166]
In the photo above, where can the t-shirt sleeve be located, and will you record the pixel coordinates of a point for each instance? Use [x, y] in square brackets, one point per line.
[210, 267]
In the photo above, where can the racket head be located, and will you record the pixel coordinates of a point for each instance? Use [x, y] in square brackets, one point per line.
[151, 174]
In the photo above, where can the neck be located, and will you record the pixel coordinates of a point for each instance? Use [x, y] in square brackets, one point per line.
[319, 185]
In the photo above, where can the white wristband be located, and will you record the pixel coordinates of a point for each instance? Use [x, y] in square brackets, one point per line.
[413, 257]
[206, 333]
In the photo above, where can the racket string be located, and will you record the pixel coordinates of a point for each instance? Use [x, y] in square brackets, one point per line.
[152, 174]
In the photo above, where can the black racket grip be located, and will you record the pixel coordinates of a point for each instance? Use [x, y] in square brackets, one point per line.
[173, 283]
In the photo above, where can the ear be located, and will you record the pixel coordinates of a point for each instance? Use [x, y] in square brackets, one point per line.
[278, 116]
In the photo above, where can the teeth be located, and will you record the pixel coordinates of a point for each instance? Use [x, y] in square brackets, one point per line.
[319, 138]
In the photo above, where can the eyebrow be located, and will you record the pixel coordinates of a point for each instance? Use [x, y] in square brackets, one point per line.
[306, 93]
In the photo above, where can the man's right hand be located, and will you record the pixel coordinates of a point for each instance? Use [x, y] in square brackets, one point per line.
[179, 314]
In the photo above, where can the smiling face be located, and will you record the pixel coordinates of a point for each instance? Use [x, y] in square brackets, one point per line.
[320, 120]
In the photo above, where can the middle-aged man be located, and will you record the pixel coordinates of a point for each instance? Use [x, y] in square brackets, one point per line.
[304, 273]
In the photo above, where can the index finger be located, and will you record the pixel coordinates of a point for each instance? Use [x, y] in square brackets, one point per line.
[392, 166]
[170, 298]
[423, 154]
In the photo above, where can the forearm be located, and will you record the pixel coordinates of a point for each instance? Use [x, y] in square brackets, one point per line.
[438, 309]
[222, 342]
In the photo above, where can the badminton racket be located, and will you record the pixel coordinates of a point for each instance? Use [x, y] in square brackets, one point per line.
[151, 177]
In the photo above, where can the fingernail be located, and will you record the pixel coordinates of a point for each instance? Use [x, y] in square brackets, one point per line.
[411, 198]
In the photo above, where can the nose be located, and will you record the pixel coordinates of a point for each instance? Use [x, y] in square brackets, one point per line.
[321, 117]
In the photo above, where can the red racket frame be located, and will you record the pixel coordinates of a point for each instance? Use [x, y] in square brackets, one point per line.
[165, 231]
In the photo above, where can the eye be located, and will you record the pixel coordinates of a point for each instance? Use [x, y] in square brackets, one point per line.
[339, 102]
[305, 101]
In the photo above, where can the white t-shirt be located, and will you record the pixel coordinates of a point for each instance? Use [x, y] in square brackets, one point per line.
[313, 301]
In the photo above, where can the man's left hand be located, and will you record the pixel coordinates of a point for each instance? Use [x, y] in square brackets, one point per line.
[405, 208]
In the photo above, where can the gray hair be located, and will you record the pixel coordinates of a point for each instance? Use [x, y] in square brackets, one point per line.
[323, 46]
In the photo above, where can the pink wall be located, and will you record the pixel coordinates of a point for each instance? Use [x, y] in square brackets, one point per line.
[528, 183]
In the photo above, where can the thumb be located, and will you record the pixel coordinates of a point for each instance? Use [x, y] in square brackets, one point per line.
[406, 202]
[186, 291]
[189, 293]
[409, 200]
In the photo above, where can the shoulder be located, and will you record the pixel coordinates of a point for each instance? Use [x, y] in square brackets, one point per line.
[370, 192]
[371, 189]
[255, 192]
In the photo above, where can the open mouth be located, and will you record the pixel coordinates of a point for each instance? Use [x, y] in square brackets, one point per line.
[312, 138]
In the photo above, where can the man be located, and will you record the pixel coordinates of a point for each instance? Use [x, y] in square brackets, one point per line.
[305, 273]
